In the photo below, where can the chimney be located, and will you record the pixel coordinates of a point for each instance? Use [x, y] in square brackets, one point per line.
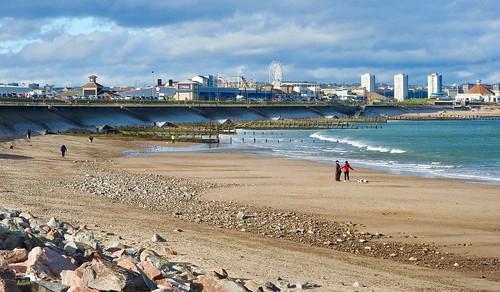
[159, 83]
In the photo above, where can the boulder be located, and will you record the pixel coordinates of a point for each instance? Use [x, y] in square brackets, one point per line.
[13, 256]
[47, 264]
[48, 286]
[14, 240]
[26, 215]
[128, 263]
[72, 279]
[71, 248]
[157, 260]
[253, 286]
[103, 275]
[119, 253]
[8, 280]
[85, 240]
[20, 269]
[150, 270]
[53, 223]
[21, 222]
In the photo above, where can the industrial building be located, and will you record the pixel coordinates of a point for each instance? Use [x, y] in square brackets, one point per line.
[157, 92]
[13, 90]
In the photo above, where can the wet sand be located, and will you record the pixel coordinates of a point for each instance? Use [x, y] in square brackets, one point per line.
[450, 213]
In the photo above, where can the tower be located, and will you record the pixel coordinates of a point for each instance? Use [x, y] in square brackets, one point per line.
[434, 85]
[368, 82]
[400, 87]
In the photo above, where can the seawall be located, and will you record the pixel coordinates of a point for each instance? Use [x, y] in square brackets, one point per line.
[16, 120]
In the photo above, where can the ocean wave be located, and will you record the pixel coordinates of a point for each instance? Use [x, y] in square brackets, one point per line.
[358, 144]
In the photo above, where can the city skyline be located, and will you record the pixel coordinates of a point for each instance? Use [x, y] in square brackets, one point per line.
[123, 42]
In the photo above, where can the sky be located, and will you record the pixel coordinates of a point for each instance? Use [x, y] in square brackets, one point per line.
[124, 41]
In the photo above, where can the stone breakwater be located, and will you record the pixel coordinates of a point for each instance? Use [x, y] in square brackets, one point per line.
[56, 256]
[180, 198]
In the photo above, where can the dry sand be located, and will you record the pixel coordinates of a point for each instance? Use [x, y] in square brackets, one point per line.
[483, 111]
[442, 211]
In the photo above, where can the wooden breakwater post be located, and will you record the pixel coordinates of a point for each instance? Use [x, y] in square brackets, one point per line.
[304, 124]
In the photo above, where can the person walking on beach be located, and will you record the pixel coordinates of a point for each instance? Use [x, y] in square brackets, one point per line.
[28, 134]
[346, 169]
[338, 170]
[91, 139]
[63, 150]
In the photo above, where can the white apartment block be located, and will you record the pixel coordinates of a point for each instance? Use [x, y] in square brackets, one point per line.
[434, 85]
[368, 82]
[400, 87]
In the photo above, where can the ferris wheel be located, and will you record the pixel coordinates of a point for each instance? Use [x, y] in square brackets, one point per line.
[275, 73]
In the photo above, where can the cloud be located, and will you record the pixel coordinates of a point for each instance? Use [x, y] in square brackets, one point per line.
[328, 41]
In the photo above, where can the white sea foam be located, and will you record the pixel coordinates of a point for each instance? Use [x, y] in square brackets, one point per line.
[357, 144]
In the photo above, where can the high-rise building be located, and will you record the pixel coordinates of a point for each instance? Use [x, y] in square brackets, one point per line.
[400, 87]
[368, 82]
[434, 85]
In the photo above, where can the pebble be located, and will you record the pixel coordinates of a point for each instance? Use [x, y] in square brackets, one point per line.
[181, 198]
[157, 238]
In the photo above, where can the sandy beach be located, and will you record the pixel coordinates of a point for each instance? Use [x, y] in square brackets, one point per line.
[457, 217]
[483, 111]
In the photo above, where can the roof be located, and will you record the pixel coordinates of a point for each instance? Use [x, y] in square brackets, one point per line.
[92, 85]
[480, 89]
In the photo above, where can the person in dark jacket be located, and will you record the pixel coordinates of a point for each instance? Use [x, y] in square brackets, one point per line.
[338, 170]
[28, 134]
[64, 149]
[346, 169]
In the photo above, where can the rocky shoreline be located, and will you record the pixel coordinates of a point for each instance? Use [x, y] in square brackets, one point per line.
[57, 256]
[180, 198]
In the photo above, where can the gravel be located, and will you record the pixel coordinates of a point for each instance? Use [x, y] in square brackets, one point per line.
[181, 198]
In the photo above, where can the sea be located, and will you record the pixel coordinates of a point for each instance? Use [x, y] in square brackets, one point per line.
[459, 149]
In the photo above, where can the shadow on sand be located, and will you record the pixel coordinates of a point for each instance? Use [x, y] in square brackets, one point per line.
[13, 156]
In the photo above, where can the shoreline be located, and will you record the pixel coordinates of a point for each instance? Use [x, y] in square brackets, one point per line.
[384, 206]
[259, 152]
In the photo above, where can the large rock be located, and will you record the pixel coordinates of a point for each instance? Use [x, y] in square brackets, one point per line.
[157, 260]
[53, 223]
[14, 240]
[103, 275]
[48, 286]
[84, 240]
[8, 280]
[150, 270]
[71, 248]
[13, 256]
[26, 215]
[128, 263]
[47, 264]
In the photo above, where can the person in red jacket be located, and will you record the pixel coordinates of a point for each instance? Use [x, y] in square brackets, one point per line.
[345, 168]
